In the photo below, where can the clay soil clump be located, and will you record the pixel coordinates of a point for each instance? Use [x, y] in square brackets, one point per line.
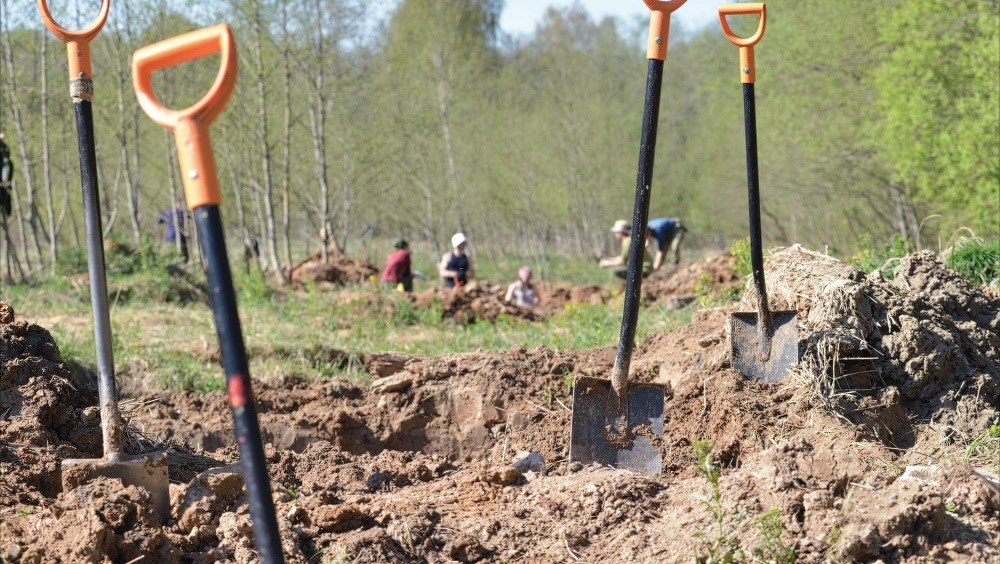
[340, 269]
[879, 445]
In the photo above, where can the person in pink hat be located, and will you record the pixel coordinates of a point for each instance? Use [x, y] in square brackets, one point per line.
[522, 292]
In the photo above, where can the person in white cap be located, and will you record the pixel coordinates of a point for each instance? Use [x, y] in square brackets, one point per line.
[455, 267]
[623, 232]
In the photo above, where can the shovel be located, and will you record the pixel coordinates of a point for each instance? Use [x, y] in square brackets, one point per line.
[764, 343]
[616, 424]
[201, 190]
[149, 471]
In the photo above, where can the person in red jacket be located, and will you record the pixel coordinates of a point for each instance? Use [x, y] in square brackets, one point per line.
[397, 268]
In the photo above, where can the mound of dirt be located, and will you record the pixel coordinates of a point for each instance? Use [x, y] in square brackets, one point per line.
[483, 300]
[554, 297]
[339, 269]
[476, 300]
[923, 346]
[675, 287]
[431, 460]
[43, 416]
[678, 286]
[39, 403]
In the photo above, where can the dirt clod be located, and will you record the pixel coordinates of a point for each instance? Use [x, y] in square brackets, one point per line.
[419, 466]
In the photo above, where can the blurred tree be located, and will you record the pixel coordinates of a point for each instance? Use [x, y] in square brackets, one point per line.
[436, 56]
[939, 94]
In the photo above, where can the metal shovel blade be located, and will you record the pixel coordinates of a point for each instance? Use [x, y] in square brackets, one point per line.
[148, 471]
[588, 435]
[747, 356]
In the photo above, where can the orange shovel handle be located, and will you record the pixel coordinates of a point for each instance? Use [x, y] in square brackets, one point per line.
[77, 42]
[190, 126]
[747, 73]
[659, 27]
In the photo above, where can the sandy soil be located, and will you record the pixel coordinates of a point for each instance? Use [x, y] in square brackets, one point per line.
[423, 464]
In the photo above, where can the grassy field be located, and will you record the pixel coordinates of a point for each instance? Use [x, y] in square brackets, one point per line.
[308, 332]
[311, 332]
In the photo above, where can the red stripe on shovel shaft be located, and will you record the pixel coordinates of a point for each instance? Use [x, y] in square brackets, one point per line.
[239, 391]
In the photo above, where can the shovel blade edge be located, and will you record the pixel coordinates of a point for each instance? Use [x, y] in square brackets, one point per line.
[745, 343]
[645, 419]
[149, 471]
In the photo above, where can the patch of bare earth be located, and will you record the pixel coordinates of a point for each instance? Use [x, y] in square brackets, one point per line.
[338, 269]
[419, 466]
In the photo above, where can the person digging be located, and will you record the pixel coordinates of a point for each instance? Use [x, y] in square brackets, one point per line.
[623, 232]
[668, 233]
[397, 272]
[455, 267]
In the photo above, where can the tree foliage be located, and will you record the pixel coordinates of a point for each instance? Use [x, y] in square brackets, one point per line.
[870, 117]
[938, 94]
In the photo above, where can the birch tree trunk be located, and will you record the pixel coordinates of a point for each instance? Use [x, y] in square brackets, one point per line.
[22, 227]
[286, 180]
[317, 124]
[175, 194]
[24, 222]
[46, 165]
[265, 149]
[443, 91]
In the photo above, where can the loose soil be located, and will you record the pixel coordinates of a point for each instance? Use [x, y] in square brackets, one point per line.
[673, 287]
[679, 285]
[339, 269]
[876, 447]
[481, 300]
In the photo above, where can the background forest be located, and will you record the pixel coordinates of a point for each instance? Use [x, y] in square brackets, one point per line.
[874, 119]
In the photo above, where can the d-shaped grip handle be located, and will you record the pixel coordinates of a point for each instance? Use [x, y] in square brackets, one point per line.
[747, 73]
[659, 27]
[77, 42]
[190, 125]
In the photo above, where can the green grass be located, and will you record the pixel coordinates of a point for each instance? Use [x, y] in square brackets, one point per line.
[556, 268]
[772, 546]
[871, 258]
[161, 343]
[984, 450]
[977, 261]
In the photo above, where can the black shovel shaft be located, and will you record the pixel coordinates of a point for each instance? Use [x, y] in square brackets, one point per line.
[98, 279]
[234, 363]
[640, 216]
[753, 194]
